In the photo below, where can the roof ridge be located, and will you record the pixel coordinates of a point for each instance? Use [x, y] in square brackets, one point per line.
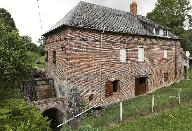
[106, 7]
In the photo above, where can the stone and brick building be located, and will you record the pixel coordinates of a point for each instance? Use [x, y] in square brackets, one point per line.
[110, 55]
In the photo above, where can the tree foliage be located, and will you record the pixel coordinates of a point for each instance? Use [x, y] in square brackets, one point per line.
[16, 65]
[8, 20]
[14, 62]
[175, 15]
[41, 47]
[30, 45]
[17, 115]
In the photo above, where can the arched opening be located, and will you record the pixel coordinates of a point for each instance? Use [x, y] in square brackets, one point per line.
[55, 116]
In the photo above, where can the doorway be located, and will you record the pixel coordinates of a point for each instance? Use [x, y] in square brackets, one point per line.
[140, 86]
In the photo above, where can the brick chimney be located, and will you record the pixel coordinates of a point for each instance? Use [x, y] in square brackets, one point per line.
[133, 8]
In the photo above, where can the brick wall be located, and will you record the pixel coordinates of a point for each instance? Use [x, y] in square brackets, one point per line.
[78, 66]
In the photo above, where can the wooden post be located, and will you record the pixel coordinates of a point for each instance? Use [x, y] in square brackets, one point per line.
[121, 112]
[153, 103]
[179, 96]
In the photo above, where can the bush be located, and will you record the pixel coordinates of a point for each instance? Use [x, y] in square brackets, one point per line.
[16, 114]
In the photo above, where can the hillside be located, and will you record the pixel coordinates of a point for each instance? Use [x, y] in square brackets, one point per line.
[137, 115]
[178, 119]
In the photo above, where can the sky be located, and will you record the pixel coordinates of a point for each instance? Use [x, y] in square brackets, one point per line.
[26, 13]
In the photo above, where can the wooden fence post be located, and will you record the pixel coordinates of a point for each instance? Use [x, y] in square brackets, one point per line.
[121, 112]
[179, 96]
[153, 103]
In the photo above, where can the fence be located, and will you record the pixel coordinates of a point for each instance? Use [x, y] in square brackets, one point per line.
[161, 100]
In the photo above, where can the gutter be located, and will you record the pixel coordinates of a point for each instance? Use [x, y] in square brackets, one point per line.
[144, 35]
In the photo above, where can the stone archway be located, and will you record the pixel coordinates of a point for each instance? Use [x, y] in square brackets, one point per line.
[55, 116]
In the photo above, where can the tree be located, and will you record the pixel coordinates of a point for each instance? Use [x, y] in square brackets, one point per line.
[41, 47]
[17, 115]
[8, 20]
[175, 15]
[29, 45]
[14, 62]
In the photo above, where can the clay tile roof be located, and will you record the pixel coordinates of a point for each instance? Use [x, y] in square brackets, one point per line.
[98, 17]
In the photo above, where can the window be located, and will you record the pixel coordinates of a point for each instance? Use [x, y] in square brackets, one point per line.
[165, 33]
[46, 56]
[187, 53]
[110, 87]
[141, 56]
[91, 97]
[115, 85]
[123, 55]
[54, 57]
[166, 77]
[156, 31]
[165, 53]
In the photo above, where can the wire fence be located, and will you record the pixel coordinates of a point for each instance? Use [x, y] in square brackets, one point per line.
[129, 110]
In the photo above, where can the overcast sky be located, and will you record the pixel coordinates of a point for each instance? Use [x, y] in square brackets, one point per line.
[25, 12]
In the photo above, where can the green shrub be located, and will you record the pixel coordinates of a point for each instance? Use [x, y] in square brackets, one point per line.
[16, 114]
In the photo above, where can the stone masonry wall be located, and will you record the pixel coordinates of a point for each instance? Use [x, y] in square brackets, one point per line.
[78, 66]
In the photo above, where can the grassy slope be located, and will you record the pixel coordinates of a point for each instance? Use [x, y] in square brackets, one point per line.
[178, 119]
[137, 108]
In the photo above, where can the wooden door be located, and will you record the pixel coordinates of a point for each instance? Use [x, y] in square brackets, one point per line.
[140, 86]
[108, 88]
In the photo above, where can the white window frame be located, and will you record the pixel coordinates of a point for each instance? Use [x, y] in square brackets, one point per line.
[141, 54]
[165, 53]
[123, 55]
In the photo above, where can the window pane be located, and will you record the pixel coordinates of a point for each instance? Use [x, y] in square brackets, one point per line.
[141, 54]
[122, 55]
[54, 57]
[46, 56]
[165, 53]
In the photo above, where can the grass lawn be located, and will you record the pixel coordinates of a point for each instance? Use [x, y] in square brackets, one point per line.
[176, 119]
[137, 109]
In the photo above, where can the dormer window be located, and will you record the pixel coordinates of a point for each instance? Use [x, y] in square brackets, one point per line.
[156, 31]
[165, 33]
[161, 32]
